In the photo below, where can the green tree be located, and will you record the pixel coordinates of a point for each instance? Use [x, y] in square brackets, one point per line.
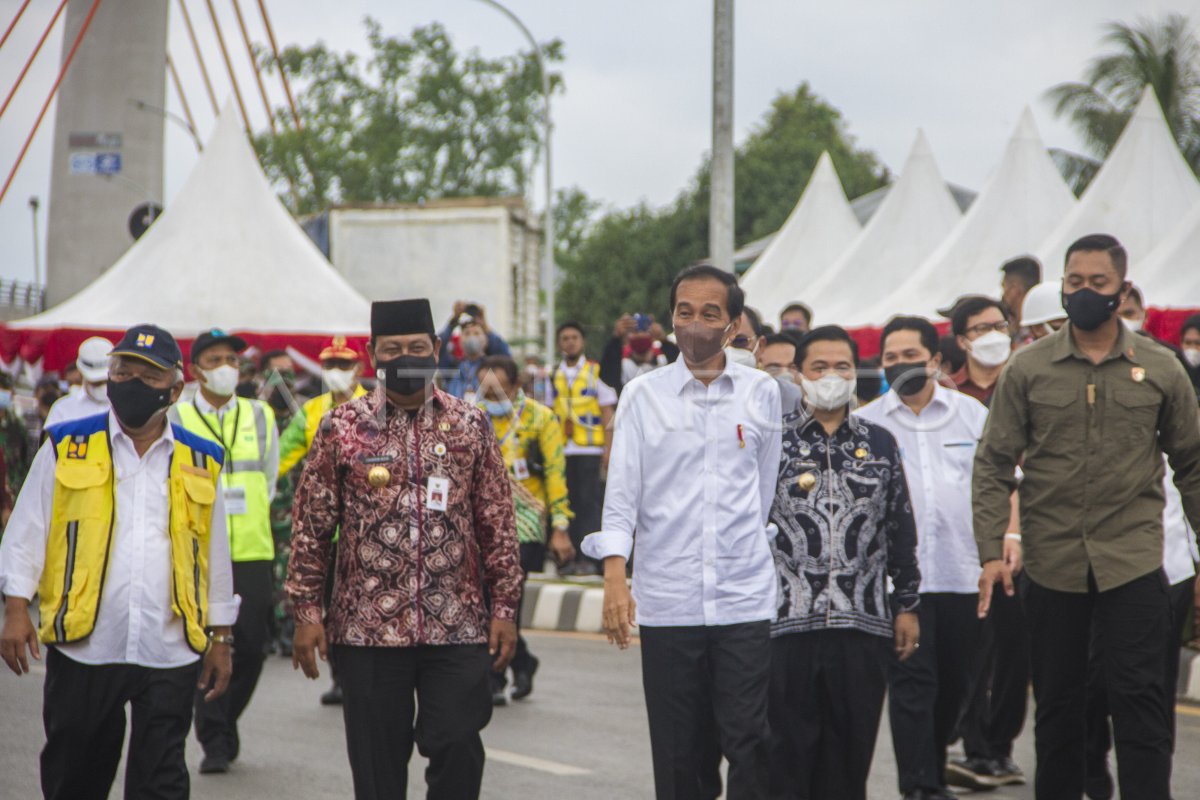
[1164, 54]
[628, 257]
[414, 120]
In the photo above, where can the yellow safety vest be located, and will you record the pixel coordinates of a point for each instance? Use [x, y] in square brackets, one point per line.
[81, 529]
[579, 403]
[244, 435]
[314, 411]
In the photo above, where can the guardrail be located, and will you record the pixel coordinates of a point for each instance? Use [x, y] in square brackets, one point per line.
[22, 295]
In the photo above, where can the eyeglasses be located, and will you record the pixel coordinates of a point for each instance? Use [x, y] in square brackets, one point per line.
[741, 342]
[988, 327]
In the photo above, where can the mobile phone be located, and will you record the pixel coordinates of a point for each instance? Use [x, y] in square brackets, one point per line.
[643, 322]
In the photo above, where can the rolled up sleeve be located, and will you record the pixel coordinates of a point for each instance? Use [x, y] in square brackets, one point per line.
[223, 604]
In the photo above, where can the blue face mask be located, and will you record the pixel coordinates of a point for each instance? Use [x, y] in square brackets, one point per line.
[498, 408]
[6, 399]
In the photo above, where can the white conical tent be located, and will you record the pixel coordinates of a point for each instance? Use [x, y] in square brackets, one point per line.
[1170, 275]
[917, 215]
[1018, 207]
[817, 231]
[225, 253]
[1143, 190]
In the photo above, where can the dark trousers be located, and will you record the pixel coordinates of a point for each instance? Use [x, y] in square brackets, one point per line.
[1132, 621]
[84, 715]
[999, 695]
[926, 692]
[693, 674]
[583, 491]
[445, 688]
[216, 722]
[533, 557]
[1099, 734]
[827, 691]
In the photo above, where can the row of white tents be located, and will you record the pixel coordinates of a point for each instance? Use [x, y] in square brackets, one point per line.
[918, 252]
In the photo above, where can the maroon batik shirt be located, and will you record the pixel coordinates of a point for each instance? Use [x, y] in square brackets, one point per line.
[406, 574]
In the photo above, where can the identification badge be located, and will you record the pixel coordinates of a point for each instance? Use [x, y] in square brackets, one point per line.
[520, 469]
[437, 493]
[235, 500]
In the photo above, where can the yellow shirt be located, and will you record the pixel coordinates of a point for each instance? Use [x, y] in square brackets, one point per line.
[536, 423]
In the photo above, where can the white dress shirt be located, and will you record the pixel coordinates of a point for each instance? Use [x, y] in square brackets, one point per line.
[76, 405]
[937, 448]
[135, 623]
[230, 405]
[1179, 541]
[605, 395]
[693, 471]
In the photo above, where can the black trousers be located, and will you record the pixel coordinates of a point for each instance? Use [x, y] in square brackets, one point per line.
[827, 691]
[694, 674]
[1099, 734]
[216, 722]
[446, 689]
[83, 713]
[583, 491]
[926, 692]
[999, 695]
[1132, 621]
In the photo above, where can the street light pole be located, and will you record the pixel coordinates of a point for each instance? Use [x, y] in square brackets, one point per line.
[34, 204]
[142, 105]
[549, 279]
[720, 212]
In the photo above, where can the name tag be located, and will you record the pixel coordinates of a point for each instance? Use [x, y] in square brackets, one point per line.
[235, 500]
[520, 469]
[437, 492]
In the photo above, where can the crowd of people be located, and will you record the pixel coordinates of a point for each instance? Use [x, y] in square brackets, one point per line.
[1009, 496]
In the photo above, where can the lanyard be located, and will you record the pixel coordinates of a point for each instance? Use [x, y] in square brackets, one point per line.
[514, 424]
[237, 418]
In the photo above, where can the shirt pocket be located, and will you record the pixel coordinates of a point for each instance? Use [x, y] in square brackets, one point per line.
[1055, 413]
[1135, 415]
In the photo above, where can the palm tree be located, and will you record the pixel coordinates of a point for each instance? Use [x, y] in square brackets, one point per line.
[1164, 54]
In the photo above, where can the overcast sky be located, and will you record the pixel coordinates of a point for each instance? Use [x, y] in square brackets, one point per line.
[635, 119]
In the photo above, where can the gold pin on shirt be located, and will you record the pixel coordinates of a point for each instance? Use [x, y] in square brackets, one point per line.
[1138, 374]
[443, 426]
[378, 476]
[860, 452]
[807, 481]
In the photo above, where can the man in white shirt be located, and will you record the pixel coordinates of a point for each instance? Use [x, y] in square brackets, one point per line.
[937, 430]
[120, 531]
[694, 461]
[92, 399]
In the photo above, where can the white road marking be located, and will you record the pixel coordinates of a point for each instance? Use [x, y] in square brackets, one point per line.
[540, 764]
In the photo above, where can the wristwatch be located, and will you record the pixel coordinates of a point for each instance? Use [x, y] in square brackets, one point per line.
[221, 638]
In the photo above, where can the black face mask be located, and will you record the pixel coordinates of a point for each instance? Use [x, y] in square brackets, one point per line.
[406, 375]
[1088, 309]
[135, 402]
[907, 378]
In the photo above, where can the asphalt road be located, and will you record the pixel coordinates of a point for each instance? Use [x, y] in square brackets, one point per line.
[582, 735]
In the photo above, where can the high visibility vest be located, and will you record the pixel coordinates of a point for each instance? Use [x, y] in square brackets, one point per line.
[313, 412]
[578, 404]
[244, 435]
[81, 529]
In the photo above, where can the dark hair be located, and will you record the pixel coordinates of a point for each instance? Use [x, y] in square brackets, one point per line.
[755, 320]
[1191, 323]
[825, 333]
[735, 298]
[1101, 243]
[780, 338]
[803, 309]
[1136, 294]
[928, 333]
[500, 364]
[1026, 269]
[267, 357]
[567, 325]
[968, 308]
[792, 334]
[953, 356]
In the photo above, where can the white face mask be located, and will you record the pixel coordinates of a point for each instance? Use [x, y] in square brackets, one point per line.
[98, 392]
[830, 392]
[221, 381]
[340, 381]
[992, 349]
[1192, 357]
[740, 356]
[1132, 325]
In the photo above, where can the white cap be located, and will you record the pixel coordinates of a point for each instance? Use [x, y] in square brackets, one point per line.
[1042, 304]
[93, 359]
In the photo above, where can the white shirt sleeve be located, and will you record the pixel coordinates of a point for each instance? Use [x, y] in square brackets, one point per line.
[271, 468]
[623, 491]
[23, 548]
[222, 602]
[768, 454]
[605, 394]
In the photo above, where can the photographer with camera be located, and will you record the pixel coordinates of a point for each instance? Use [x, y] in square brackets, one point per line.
[467, 339]
[638, 345]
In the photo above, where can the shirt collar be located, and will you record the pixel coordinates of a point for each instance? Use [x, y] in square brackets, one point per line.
[941, 398]
[1064, 345]
[681, 376]
[850, 423]
[208, 408]
[116, 432]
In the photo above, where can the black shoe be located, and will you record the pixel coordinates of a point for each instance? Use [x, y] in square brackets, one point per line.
[973, 773]
[334, 696]
[929, 794]
[1099, 786]
[499, 697]
[1009, 774]
[523, 680]
[214, 765]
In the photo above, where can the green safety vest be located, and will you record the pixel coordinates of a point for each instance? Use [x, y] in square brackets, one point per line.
[245, 436]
